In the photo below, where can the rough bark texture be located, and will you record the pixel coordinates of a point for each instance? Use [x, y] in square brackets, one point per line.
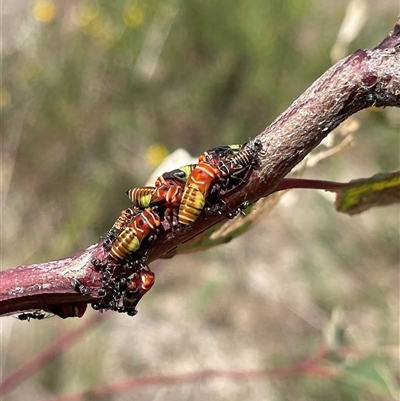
[365, 78]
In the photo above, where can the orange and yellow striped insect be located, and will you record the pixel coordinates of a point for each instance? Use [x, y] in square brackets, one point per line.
[139, 284]
[196, 190]
[166, 195]
[227, 166]
[123, 219]
[143, 225]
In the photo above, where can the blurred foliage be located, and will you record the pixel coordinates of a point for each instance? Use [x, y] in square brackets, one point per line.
[95, 93]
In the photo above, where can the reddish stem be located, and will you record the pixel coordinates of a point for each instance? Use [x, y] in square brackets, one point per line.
[310, 367]
[62, 343]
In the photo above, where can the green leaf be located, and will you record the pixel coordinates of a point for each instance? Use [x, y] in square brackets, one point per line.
[370, 375]
[362, 194]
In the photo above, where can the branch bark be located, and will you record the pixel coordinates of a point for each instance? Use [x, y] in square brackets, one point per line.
[364, 79]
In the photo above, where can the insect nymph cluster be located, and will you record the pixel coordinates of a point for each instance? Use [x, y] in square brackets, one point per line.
[173, 204]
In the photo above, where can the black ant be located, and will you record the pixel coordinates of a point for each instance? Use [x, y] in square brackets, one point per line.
[38, 315]
[80, 288]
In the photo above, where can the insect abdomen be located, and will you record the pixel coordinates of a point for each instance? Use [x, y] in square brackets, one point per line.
[130, 238]
[196, 191]
[126, 243]
[192, 204]
[141, 196]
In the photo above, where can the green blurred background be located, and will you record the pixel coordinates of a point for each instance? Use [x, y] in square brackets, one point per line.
[95, 93]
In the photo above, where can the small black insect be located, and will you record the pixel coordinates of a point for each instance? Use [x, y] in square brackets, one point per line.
[97, 306]
[239, 210]
[95, 262]
[79, 287]
[120, 285]
[38, 315]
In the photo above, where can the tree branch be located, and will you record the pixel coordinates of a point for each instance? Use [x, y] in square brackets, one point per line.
[364, 79]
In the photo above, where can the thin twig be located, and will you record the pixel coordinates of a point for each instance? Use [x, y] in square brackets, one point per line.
[312, 366]
[59, 345]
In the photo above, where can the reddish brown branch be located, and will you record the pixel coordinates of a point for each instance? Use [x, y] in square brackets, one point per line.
[364, 79]
[195, 377]
[314, 366]
[303, 183]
